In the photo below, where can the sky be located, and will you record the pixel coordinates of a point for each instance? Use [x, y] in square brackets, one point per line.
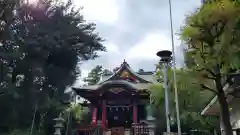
[135, 30]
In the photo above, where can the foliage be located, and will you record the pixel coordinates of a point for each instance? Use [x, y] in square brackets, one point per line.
[107, 72]
[207, 38]
[77, 111]
[211, 36]
[190, 102]
[74, 115]
[94, 75]
[43, 50]
[6, 17]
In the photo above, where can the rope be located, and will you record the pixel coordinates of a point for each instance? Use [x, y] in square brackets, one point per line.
[119, 106]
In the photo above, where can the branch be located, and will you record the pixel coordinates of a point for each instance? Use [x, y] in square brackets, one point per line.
[219, 29]
[207, 88]
[209, 71]
[209, 77]
[196, 25]
[204, 61]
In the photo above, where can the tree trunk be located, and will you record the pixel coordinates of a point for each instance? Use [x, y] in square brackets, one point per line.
[224, 110]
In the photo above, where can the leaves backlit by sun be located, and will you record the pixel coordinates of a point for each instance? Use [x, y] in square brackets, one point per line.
[33, 1]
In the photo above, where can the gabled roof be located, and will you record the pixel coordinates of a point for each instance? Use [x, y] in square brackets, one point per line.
[137, 86]
[92, 92]
[124, 79]
[231, 85]
[143, 77]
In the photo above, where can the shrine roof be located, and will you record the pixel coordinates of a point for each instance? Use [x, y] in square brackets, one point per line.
[143, 77]
[91, 92]
[123, 80]
[132, 86]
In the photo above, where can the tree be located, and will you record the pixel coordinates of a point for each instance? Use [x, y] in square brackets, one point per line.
[107, 72]
[75, 114]
[190, 102]
[211, 36]
[6, 16]
[94, 75]
[46, 45]
[140, 70]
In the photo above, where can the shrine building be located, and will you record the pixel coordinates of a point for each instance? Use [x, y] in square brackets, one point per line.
[120, 102]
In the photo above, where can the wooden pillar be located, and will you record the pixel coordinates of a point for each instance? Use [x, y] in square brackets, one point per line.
[104, 107]
[135, 112]
[94, 116]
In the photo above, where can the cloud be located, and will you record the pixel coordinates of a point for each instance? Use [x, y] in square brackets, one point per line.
[151, 44]
[135, 30]
[113, 48]
[105, 11]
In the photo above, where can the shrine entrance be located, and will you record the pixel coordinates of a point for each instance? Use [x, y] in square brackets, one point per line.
[120, 116]
[118, 103]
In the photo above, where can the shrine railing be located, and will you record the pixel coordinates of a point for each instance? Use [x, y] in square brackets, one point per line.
[89, 130]
[140, 129]
[98, 131]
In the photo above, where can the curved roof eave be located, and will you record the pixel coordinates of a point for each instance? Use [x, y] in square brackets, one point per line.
[136, 86]
[122, 66]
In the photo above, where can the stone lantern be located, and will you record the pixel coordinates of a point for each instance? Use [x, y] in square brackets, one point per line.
[58, 126]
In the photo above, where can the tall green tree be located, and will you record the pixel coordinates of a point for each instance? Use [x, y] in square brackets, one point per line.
[211, 35]
[94, 75]
[47, 43]
[6, 18]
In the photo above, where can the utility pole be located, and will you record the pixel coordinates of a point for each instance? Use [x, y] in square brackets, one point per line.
[165, 56]
[174, 70]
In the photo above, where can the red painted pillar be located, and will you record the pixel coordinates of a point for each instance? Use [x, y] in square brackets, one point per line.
[104, 107]
[134, 112]
[94, 116]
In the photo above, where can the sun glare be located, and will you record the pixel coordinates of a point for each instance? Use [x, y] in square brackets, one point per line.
[32, 2]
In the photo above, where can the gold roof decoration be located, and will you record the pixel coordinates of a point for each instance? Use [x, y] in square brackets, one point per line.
[125, 74]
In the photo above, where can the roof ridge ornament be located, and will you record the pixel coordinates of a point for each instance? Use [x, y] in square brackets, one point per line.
[129, 74]
[125, 63]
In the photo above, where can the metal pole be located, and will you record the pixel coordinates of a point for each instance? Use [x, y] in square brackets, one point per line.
[68, 120]
[69, 114]
[166, 97]
[33, 119]
[174, 71]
